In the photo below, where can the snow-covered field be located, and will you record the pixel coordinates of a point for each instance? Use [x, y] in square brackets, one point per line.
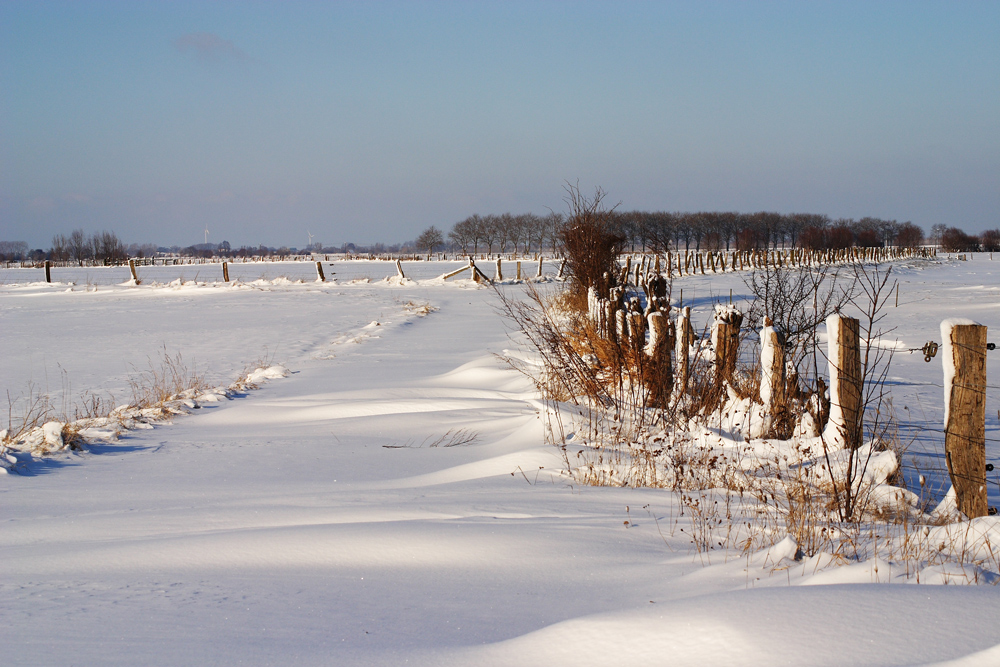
[392, 500]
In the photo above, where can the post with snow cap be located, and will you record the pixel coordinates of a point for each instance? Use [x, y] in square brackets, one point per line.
[685, 334]
[320, 276]
[661, 340]
[499, 273]
[726, 341]
[225, 272]
[844, 424]
[772, 375]
[964, 359]
[399, 269]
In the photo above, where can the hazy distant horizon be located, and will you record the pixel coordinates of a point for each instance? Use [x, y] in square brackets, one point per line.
[367, 122]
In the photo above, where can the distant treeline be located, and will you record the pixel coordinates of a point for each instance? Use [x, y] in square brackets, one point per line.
[661, 231]
[528, 233]
[101, 247]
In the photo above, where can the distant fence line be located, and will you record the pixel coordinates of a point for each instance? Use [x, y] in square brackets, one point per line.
[636, 267]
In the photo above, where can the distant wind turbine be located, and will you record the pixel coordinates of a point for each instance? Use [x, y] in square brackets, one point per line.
[206, 234]
[310, 239]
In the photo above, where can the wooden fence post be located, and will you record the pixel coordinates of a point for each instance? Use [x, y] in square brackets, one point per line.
[684, 337]
[131, 269]
[846, 382]
[660, 378]
[499, 275]
[225, 272]
[562, 269]
[964, 360]
[399, 269]
[726, 340]
[637, 329]
[772, 375]
[48, 271]
[320, 276]
[518, 271]
[539, 273]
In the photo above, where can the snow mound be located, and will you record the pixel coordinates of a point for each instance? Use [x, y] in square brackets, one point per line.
[270, 373]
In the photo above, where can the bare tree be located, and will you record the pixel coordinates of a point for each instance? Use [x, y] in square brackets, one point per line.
[430, 239]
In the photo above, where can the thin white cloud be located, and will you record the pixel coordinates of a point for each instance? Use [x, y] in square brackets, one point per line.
[208, 47]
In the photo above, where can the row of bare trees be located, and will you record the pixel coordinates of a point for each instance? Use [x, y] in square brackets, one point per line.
[953, 239]
[103, 247]
[12, 251]
[661, 231]
[524, 233]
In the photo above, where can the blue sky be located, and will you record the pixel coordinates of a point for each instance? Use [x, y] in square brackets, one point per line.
[369, 121]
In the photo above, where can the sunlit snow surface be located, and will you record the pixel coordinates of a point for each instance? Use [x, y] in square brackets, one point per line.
[312, 521]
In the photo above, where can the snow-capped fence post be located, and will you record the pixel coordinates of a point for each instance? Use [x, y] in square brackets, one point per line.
[637, 329]
[846, 383]
[320, 276]
[539, 274]
[658, 350]
[726, 341]
[131, 269]
[225, 272]
[772, 373]
[399, 269]
[48, 271]
[684, 336]
[562, 269]
[964, 360]
[499, 272]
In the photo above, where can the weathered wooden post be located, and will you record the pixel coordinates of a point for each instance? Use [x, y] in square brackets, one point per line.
[473, 270]
[661, 377]
[499, 273]
[685, 334]
[225, 272]
[846, 383]
[131, 269]
[519, 270]
[621, 328]
[964, 360]
[562, 269]
[538, 274]
[726, 341]
[399, 269]
[608, 323]
[772, 375]
[320, 276]
[637, 329]
[48, 271]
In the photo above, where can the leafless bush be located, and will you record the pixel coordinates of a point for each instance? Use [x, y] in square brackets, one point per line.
[591, 241]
